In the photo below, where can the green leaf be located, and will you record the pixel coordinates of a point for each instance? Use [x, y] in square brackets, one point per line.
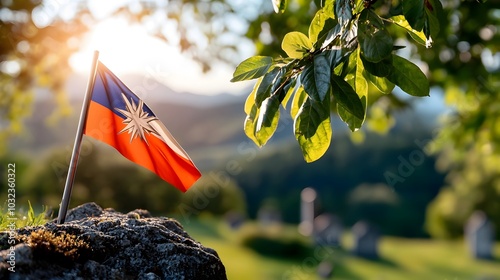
[375, 42]
[268, 118]
[433, 11]
[296, 44]
[334, 57]
[279, 82]
[409, 77]
[361, 85]
[347, 98]
[261, 123]
[357, 80]
[329, 8]
[290, 90]
[339, 60]
[263, 115]
[312, 128]
[401, 21]
[353, 122]
[332, 36]
[251, 97]
[265, 87]
[316, 78]
[380, 69]
[343, 11]
[297, 102]
[251, 68]
[382, 84]
[252, 112]
[359, 5]
[250, 124]
[413, 11]
[321, 24]
[279, 5]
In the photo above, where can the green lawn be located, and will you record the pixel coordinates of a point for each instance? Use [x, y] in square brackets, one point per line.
[401, 258]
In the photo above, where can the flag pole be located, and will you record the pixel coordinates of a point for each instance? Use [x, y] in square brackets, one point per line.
[78, 141]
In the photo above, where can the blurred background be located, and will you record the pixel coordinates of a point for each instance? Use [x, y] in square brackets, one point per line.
[414, 195]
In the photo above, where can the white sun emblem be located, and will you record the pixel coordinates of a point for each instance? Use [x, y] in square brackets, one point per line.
[137, 121]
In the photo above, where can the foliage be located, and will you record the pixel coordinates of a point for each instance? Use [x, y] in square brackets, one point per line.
[347, 48]
[28, 60]
[466, 65]
[37, 39]
[398, 210]
[22, 219]
[108, 179]
[274, 241]
[463, 62]
[213, 196]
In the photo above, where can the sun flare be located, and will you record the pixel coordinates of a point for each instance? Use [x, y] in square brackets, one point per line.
[121, 45]
[130, 48]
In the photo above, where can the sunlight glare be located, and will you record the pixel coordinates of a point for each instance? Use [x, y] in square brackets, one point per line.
[126, 48]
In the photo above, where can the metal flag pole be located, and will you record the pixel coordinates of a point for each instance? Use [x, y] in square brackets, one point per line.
[78, 141]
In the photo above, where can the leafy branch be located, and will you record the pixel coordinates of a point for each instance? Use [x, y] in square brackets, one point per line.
[347, 48]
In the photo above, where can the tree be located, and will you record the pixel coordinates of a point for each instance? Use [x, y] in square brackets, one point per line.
[35, 29]
[467, 143]
[28, 59]
[348, 49]
[37, 40]
[464, 62]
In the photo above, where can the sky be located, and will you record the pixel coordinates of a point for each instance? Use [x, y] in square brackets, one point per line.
[127, 48]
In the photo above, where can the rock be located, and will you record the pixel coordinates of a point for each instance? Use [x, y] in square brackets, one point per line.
[105, 244]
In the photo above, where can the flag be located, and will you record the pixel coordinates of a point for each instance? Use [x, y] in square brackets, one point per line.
[118, 117]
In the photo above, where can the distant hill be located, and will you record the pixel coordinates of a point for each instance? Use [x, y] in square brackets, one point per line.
[210, 128]
[195, 120]
[153, 91]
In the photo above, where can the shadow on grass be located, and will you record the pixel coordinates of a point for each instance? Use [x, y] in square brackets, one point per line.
[494, 259]
[200, 227]
[341, 270]
[380, 260]
[385, 262]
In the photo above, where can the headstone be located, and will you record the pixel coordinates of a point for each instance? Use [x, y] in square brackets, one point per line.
[234, 219]
[480, 235]
[307, 199]
[325, 270]
[327, 230]
[269, 215]
[366, 238]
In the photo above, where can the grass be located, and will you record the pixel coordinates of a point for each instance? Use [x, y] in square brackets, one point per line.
[400, 258]
[10, 220]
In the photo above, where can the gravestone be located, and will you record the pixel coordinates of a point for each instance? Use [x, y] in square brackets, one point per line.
[307, 199]
[480, 235]
[269, 215]
[366, 238]
[325, 270]
[234, 219]
[327, 230]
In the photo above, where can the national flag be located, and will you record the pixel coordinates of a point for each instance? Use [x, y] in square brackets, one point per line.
[118, 117]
